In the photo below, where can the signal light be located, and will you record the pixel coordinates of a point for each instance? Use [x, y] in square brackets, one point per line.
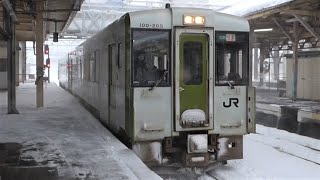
[48, 62]
[46, 49]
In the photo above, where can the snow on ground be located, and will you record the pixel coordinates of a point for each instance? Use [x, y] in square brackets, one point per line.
[274, 154]
[268, 154]
[65, 135]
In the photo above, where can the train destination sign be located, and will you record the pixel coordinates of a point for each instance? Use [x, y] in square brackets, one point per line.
[227, 37]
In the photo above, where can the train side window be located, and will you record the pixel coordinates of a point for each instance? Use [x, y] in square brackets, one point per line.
[97, 64]
[87, 67]
[81, 61]
[78, 60]
[3, 64]
[150, 58]
[232, 58]
[92, 74]
[119, 55]
[112, 62]
[81, 68]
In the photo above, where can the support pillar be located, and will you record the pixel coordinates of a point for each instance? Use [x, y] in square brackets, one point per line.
[256, 63]
[262, 58]
[39, 53]
[250, 56]
[11, 65]
[276, 61]
[18, 65]
[24, 61]
[295, 44]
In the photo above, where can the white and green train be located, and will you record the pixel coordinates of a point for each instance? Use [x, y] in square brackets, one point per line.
[172, 82]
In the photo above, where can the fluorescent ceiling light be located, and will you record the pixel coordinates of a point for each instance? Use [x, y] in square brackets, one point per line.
[263, 30]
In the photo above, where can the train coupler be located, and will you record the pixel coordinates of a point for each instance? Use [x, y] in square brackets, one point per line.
[195, 160]
[197, 151]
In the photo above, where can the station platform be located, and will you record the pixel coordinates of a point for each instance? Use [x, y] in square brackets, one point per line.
[300, 116]
[60, 141]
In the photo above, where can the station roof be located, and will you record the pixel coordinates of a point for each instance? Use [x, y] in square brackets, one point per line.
[275, 14]
[60, 11]
[96, 14]
[280, 19]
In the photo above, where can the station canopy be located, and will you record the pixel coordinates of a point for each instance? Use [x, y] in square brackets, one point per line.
[96, 14]
[235, 7]
[57, 16]
[65, 17]
[276, 15]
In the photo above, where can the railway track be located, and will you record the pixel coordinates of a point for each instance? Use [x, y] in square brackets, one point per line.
[176, 172]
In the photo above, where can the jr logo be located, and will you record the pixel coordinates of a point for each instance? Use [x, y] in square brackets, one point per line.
[234, 100]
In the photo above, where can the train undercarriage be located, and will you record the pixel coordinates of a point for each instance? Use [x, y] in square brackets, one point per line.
[191, 150]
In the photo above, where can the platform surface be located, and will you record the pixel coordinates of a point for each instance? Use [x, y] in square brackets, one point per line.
[267, 101]
[67, 137]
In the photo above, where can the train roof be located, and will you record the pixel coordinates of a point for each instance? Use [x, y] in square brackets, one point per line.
[173, 17]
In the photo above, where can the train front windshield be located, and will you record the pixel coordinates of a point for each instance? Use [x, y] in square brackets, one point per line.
[150, 58]
[232, 58]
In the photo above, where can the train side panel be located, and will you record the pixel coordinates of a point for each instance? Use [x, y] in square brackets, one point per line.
[103, 56]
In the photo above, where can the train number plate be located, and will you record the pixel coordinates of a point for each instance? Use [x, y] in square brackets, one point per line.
[147, 25]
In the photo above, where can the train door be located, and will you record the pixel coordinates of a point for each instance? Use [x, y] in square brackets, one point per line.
[112, 85]
[193, 79]
[104, 85]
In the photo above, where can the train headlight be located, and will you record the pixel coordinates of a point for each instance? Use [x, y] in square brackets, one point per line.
[188, 20]
[199, 20]
[193, 20]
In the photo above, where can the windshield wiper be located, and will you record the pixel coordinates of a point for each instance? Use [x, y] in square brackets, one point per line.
[164, 74]
[232, 87]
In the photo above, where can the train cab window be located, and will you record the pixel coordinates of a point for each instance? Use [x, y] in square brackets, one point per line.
[232, 58]
[150, 57]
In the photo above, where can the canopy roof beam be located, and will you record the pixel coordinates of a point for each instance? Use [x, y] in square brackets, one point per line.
[307, 26]
[282, 29]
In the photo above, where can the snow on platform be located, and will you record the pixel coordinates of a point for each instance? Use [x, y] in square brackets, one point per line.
[300, 116]
[64, 135]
